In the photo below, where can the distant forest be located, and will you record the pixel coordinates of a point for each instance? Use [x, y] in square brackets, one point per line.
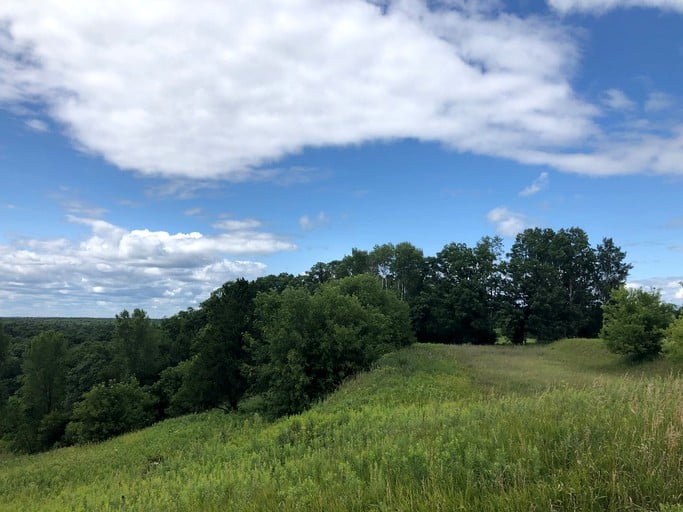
[279, 343]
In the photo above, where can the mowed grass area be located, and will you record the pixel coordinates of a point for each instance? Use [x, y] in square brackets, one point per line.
[565, 426]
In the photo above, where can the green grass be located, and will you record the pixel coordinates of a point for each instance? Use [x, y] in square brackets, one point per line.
[558, 427]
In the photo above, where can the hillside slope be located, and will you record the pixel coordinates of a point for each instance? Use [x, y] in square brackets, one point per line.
[559, 427]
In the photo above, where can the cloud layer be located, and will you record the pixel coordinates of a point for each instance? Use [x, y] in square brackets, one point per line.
[114, 268]
[602, 6]
[219, 90]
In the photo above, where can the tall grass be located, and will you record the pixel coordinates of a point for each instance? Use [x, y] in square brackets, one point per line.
[559, 427]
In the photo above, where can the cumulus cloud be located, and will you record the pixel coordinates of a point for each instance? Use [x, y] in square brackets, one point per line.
[539, 184]
[625, 153]
[308, 223]
[157, 270]
[670, 288]
[218, 91]
[508, 223]
[602, 6]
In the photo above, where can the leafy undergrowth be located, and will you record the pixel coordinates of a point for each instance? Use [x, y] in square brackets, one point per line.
[557, 427]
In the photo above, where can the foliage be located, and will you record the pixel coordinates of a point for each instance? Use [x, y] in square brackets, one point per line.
[4, 357]
[673, 344]
[44, 374]
[4, 346]
[430, 428]
[306, 344]
[311, 331]
[178, 332]
[137, 344]
[555, 283]
[634, 323]
[458, 301]
[108, 410]
[214, 376]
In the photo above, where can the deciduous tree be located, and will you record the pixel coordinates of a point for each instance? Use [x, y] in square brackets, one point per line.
[634, 322]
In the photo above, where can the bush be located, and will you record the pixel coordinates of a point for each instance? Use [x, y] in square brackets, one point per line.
[108, 410]
[673, 342]
[634, 323]
[305, 345]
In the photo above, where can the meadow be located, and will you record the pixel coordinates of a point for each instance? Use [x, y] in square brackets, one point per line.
[558, 427]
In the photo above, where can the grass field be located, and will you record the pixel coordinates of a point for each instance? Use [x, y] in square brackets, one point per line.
[559, 427]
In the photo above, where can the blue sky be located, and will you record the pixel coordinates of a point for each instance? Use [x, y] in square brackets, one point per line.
[148, 154]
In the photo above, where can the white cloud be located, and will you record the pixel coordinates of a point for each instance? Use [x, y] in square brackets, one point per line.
[602, 6]
[156, 270]
[659, 101]
[217, 90]
[191, 212]
[508, 223]
[37, 125]
[669, 287]
[539, 184]
[312, 223]
[238, 225]
[628, 153]
[617, 100]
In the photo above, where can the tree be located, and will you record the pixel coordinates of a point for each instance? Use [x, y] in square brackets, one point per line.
[4, 347]
[536, 299]
[673, 341]
[137, 342]
[634, 323]
[611, 270]
[382, 260]
[109, 410]
[554, 281]
[4, 356]
[304, 345]
[44, 374]
[215, 375]
[408, 269]
[37, 415]
[179, 331]
[458, 301]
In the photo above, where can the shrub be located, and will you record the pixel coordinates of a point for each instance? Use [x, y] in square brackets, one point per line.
[673, 343]
[108, 410]
[634, 323]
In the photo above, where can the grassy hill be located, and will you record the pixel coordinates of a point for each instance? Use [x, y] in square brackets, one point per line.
[560, 427]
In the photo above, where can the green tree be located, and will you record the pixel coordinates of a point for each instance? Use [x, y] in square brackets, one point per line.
[304, 345]
[673, 341]
[179, 331]
[4, 347]
[553, 282]
[611, 269]
[36, 416]
[459, 299]
[4, 357]
[215, 375]
[44, 374]
[137, 342]
[382, 263]
[408, 270]
[634, 323]
[108, 410]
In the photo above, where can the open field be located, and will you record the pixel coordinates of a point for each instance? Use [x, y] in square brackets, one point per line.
[565, 426]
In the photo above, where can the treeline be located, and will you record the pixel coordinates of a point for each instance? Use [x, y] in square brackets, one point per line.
[279, 343]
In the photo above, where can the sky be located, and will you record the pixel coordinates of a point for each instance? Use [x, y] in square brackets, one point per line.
[150, 152]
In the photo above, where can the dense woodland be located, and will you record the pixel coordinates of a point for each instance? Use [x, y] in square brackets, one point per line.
[281, 342]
